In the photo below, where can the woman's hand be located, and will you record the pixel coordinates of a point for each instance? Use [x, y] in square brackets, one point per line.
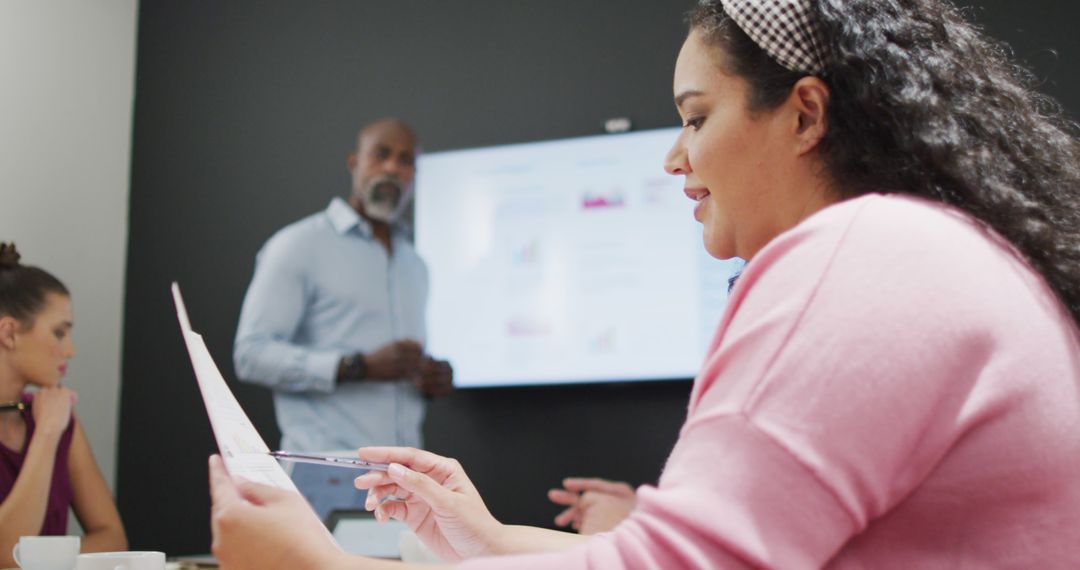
[432, 495]
[259, 527]
[593, 505]
[51, 410]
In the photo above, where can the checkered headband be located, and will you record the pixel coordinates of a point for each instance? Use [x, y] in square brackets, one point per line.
[784, 29]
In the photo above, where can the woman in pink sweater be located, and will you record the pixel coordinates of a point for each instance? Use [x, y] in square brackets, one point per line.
[896, 380]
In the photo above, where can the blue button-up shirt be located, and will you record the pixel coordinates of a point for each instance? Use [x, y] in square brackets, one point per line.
[325, 287]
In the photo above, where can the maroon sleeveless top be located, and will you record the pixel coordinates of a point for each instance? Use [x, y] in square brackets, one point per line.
[60, 494]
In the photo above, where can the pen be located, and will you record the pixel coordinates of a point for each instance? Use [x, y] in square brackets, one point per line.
[335, 461]
[8, 406]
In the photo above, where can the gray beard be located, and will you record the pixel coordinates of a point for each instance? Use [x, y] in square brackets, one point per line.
[381, 211]
[381, 203]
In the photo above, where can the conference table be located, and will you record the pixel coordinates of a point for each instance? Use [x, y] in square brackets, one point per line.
[184, 563]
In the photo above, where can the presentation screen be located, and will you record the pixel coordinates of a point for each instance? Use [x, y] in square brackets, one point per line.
[567, 261]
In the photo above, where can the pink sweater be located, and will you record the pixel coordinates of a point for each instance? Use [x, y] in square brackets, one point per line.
[890, 387]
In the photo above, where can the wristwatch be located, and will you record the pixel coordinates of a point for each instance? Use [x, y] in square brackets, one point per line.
[352, 367]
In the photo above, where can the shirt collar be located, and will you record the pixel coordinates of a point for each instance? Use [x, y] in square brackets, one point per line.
[344, 218]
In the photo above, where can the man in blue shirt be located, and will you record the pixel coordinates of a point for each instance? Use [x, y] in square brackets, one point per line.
[333, 320]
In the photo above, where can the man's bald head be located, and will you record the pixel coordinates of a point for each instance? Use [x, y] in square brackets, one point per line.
[389, 127]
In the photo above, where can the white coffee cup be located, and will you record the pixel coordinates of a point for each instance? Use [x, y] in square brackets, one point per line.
[46, 552]
[136, 560]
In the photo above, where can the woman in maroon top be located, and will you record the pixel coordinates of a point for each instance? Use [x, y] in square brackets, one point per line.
[46, 466]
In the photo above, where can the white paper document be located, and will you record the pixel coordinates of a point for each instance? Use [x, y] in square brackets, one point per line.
[243, 449]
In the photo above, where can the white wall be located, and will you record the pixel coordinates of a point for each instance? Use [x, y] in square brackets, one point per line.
[66, 92]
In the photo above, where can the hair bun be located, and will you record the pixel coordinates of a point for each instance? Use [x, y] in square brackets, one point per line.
[9, 257]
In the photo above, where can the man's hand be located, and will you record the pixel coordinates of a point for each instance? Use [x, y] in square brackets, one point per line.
[399, 359]
[434, 378]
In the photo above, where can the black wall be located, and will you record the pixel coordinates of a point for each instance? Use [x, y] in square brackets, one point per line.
[244, 113]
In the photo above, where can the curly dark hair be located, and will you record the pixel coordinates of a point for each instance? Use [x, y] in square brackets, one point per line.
[23, 287]
[924, 103]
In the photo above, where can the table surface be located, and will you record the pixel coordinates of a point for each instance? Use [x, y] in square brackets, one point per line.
[168, 566]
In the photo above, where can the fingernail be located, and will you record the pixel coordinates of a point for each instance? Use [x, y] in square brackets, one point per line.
[396, 470]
